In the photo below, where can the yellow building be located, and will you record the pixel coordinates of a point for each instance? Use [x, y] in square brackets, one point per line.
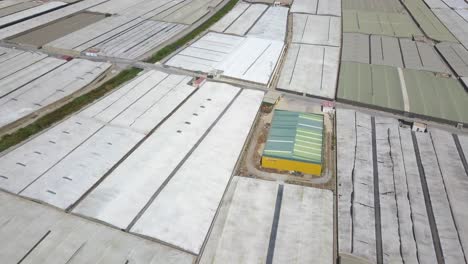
[294, 142]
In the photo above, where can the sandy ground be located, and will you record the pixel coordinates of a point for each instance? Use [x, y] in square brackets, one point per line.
[251, 166]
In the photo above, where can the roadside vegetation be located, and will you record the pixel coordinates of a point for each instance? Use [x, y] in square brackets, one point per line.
[78, 103]
[164, 52]
[71, 107]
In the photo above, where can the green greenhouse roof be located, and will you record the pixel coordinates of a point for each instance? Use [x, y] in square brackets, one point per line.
[295, 136]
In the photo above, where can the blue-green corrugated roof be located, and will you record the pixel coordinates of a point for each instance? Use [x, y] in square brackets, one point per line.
[295, 136]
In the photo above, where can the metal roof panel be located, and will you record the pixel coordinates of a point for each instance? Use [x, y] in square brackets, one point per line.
[456, 4]
[429, 95]
[455, 23]
[319, 30]
[379, 23]
[310, 69]
[385, 51]
[373, 5]
[295, 136]
[392, 51]
[422, 56]
[456, 56]
[319, 7]
[463, 13]
[435, 4]
[356, 47]
[272, 24]
[434, 96]
[428, 21]
[370, 84]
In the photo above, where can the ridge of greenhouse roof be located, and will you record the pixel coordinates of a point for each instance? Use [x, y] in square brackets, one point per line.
[295, 136]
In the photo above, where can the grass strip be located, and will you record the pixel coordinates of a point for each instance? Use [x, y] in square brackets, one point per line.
[60, 113]
[162, 53]
[78, 103]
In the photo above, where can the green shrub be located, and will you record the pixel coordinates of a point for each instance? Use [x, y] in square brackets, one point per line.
[164, 52]
[60, 113]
